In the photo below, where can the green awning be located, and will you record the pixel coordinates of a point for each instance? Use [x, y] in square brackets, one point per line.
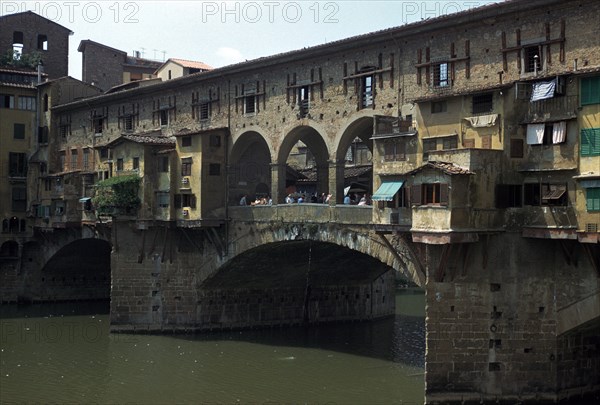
[387, 190]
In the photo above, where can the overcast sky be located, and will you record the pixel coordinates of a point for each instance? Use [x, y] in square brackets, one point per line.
[224, 32]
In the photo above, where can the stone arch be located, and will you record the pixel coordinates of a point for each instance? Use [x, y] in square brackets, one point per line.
[9, 248]
[316, 144]
[249, 166]
[578, 313]
[400, 256]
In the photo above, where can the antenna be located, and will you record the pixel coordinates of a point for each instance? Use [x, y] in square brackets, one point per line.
[143, 51]
[164, 53]
[155, 50]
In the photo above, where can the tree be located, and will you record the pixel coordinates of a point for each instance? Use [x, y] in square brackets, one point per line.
[117, 195]
[14, 58]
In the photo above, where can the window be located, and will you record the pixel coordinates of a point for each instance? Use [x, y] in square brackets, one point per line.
[27, 103]
[214, 169]
[590, 90]
[17, 164]
[429, 194]
[163, 164]
[17, 44]
[64, 130]
[483, 103]
[186, 166]
[104, 153]
[438, 107]
[169, 72]
[42, 42]
[185, 200]
[537, 194]
[45, 102]
[440, 75]
[19, 199]
[74, 159]
[450, 142]
[516, 148]
[86, 159]
[62, 156]
[590, 142]
[136, 163]
[128, 122]
[366, 85]
[7, 101]
[204, 111]
[428, 145]
[215, 141]
[532, 58]
[19, 131]
[120, 164]
[592, 199]
[394, 150]
[304, 100]
[98, 125]
[186, 141]
[509, 195]
[163, 200]
[250, 104]
[164, 118]
[547, 133]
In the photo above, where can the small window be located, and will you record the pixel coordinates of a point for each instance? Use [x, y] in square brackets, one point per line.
[98, 125]
[129, 122]
[163, 164]
[186, 167]
[428, 146]
[17, 45]
[592, 199]
[74, 159]
[483, 103]
[27, 103]
[215, 141]
[7, 101]
[304, 100]
[42, 44]
[204, 111]
[250, 104]
[63, 160]
[394, 150]
[19, 131]
[214, 169]
[45, 102]
[186, 141]
[19, 199]
[185, 200]
[532, 58]
[430, 194]
[17, 164]
[509, 195]
[104, 153]
[86, 159]
[163, 200]
[537, 194]
[120, 164]
[169, 74]
[367, 86]
[440, 75]
[450, 143]
[439, 107]
[590, 142]
[64, 130]
[516, 148]
[164, 118]
[136, 163]
[590, 90]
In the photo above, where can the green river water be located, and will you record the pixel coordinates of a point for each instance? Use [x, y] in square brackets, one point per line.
[64, 353]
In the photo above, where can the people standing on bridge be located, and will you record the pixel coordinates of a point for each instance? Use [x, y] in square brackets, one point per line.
[243, 201]
[289, 199]
[347, 200]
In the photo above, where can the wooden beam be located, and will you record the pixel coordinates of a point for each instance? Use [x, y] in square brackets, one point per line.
[420, 273]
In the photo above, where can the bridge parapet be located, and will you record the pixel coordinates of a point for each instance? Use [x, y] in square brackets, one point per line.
[306, 212]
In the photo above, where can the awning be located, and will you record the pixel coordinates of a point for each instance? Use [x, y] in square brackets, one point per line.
[387, 190]
[84, 199]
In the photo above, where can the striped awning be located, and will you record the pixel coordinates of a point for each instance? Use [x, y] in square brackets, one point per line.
[387, 190]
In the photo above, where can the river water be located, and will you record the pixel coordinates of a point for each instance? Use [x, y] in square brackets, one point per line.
[64, 353]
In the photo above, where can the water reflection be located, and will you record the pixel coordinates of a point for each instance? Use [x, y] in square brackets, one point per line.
[69, 357]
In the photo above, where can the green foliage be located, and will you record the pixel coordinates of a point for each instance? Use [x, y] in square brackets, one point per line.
[117, 195]
[12, 58]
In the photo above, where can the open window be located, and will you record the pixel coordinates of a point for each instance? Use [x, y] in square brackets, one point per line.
[429, 194]
[440, 75]
[42, 42]
[17, 44]
[304, 100]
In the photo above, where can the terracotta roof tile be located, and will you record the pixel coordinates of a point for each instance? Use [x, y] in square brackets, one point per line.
[191, 64]
[446, 167]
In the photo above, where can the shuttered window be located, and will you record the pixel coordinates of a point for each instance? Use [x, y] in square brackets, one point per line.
[590, 142]
[429, 194]
[590, 90]
[592, 198]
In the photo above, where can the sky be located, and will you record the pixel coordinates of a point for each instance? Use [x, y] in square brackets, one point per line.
[220, 33]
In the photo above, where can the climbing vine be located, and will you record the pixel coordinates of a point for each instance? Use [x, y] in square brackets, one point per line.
[117, 195]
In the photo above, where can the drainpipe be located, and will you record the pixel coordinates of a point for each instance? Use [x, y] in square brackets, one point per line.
[227, 136]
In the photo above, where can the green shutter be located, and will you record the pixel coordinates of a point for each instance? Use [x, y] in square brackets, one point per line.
[593, 199]
[590, 90]
[590, 142]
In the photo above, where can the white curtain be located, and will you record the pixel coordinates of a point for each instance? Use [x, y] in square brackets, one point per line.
[543, 90]
[535, 134]
[559, 132]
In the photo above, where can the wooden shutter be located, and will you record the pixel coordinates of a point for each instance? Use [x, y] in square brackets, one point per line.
[516, 148]
[415, 194]
[193, 201]
[177, 201]
[444, 194]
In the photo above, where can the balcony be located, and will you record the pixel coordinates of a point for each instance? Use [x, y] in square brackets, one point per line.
[303, 213]
[557, 108]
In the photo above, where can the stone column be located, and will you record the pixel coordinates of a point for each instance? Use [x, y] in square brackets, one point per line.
[322, 178]
[336, 182]
[278, 183]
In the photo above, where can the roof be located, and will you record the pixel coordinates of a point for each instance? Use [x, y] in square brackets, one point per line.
[187, 131]
[142, 62]
[30, 14]
[85, 42]
[190, 64]
[445, 167]
[148, 138]
[470, 16]
[69, 78]
[310, 174]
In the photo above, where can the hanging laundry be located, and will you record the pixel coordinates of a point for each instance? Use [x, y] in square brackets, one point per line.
[559, 132]
[543, 90]
[535, 134]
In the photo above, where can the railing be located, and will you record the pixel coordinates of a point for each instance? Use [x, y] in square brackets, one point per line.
[305, 212]
[559, 107]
